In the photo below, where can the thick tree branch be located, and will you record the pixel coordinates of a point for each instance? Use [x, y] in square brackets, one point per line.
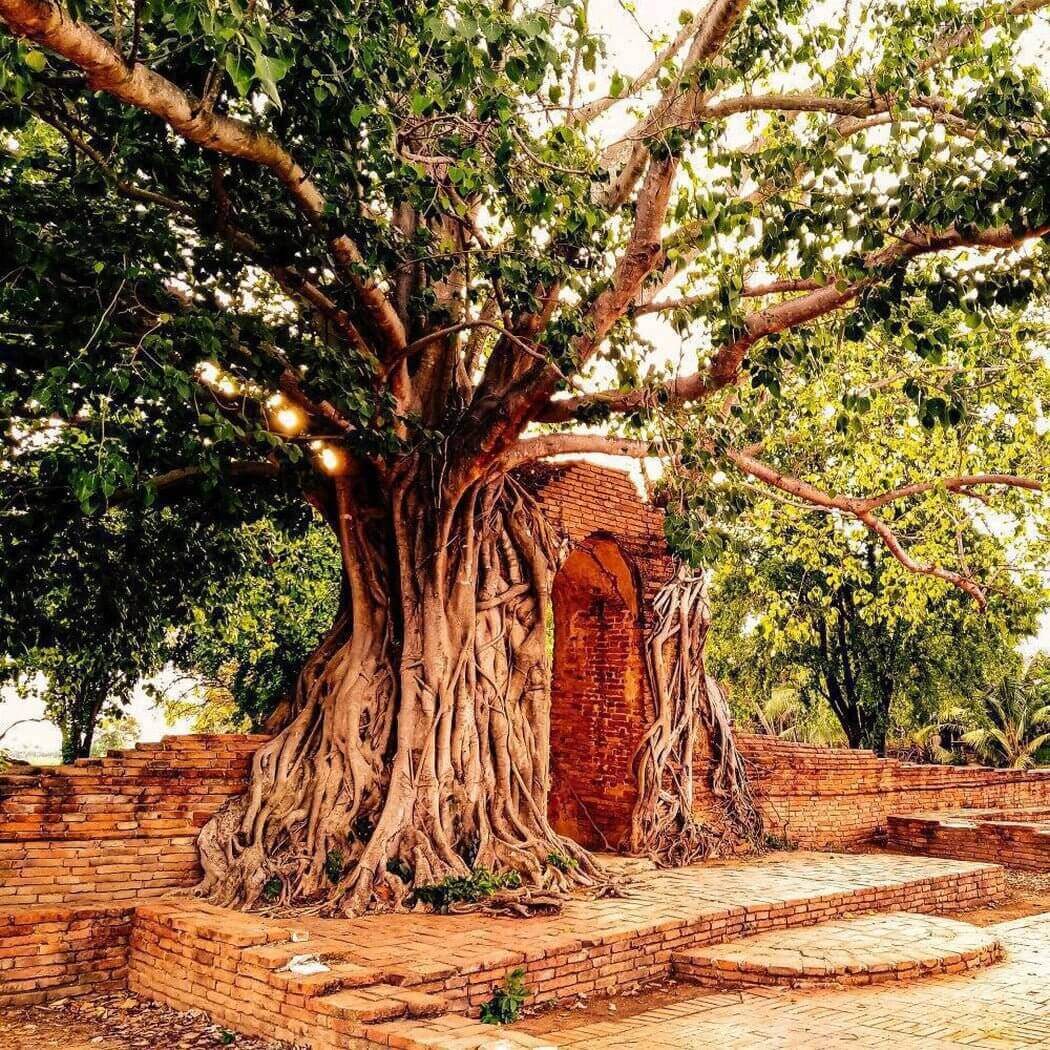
[962, 484]
[678, 105]
[862, 510]
[547, 445]
[184, 481]
[592, 110]
[726, 362]
[138, 86]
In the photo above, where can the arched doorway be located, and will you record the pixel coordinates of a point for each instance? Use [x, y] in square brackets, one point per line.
[597, 693]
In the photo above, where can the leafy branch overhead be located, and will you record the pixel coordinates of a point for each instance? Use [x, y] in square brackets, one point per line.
[456, 231]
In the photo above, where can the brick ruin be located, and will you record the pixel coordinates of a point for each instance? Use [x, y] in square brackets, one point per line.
[80, 844]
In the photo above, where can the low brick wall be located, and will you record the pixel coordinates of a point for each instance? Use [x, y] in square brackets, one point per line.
[825, 797]
[80, 843]
[116, 828]
[51, 953]
[1017, 838]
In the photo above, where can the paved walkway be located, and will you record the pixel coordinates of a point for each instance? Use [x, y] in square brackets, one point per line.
[760, 886]
[1004, 1006]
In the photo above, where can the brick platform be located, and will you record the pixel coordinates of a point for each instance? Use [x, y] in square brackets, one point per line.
[1017, 838]
[867, 949]
[1004, 1006]
[235, 967]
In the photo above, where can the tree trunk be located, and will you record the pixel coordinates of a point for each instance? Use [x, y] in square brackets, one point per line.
[78, 725]
[418, 745]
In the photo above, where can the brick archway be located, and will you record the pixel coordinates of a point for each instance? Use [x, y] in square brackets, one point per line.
[598, 693]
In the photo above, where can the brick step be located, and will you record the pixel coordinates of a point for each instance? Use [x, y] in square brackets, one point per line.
[380, 1002]
[336, 977]
[867, 949]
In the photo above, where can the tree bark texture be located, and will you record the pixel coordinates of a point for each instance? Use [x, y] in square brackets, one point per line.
[687, 702]
[418, 746]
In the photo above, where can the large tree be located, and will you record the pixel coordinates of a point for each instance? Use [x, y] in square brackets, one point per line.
[360, 248]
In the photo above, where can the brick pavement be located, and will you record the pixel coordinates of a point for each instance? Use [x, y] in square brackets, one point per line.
[1004, 1006]
[387, 974]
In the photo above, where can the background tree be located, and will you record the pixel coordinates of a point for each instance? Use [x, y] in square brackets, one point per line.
[1013, 719]
[369, 244]
[247, 637]
[86, 606]
[812, 601]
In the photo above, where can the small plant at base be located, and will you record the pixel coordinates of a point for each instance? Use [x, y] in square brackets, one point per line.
[507, 999]
[272, 889]
[778, 842]
[463, 889]
[562, 862]
[399, 868]
[334, 864]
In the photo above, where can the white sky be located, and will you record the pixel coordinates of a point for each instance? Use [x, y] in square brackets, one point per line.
[629, 52]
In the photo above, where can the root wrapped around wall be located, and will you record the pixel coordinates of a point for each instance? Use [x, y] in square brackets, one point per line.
[687, 701]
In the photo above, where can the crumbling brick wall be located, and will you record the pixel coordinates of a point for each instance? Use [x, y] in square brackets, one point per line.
[617, 558]
[114, 828]
[824, 797]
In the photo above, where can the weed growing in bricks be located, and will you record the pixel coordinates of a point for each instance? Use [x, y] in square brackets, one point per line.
[507, 999]
[335, 864]
[272, 889]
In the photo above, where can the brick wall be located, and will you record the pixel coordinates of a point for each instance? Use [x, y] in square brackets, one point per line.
[79, 843]
[114, 828]
[619, 558]
[50, 953]
[1017, 838]
[825, 797]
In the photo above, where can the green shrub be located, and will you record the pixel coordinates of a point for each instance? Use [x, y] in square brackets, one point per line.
[272, 889]
[335, 864]
[466, 889]
[562, 861]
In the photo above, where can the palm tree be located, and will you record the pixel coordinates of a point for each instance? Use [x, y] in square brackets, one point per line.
[1016, 712]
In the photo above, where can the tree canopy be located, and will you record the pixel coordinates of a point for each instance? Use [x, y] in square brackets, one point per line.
[806, 598]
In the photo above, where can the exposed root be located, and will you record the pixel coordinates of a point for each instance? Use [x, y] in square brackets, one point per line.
[419, 746]
[664, 824]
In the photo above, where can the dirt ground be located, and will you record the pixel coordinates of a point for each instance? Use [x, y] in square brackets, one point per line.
[117, 1022]
[124, 1022]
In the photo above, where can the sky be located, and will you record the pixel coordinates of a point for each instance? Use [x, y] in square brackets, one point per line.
[628, 51]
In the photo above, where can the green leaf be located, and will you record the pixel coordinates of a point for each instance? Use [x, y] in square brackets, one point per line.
[240, 74]
[269, 71]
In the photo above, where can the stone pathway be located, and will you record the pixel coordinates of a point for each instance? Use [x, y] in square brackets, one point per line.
[1004, 1006]
[866, 949]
